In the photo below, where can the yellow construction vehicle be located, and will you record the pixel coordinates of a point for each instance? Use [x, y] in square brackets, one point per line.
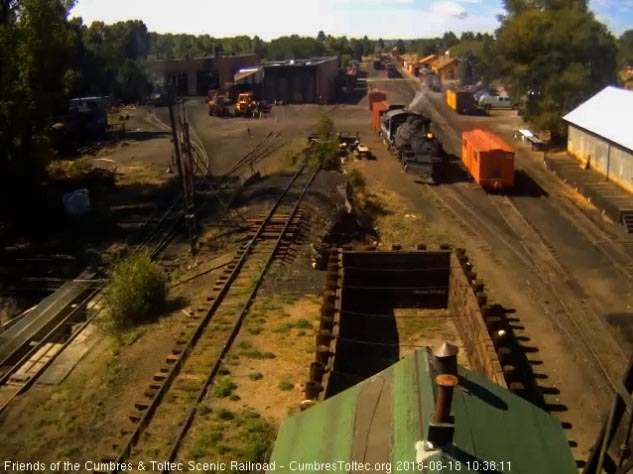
[245, 105]
[217, 104]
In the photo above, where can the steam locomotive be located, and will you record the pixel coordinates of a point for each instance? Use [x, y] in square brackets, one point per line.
[408, 135]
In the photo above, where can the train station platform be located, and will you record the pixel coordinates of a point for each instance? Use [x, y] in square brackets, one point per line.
[611, 199]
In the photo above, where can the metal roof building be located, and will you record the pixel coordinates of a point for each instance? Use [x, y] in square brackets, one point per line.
[301, 80]
[600, 133]
[389, 423]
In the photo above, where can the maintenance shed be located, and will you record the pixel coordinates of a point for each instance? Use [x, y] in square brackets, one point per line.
[301, 80]
[197, 76]
[417, 417]
[600, 135]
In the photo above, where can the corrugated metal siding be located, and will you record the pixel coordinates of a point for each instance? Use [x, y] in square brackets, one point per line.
[621, 167]
[611, 160]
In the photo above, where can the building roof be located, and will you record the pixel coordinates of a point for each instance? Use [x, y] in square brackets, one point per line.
[444, 61]
[382, 419]
[301, 62]
[428, 58]
[606, 114]
[245, 73]
[486, 141]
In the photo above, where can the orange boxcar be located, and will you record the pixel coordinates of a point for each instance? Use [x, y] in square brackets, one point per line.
[376, 96]
[378, 108]
[488, 159]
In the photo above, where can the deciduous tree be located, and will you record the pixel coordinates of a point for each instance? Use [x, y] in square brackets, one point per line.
[562, 54]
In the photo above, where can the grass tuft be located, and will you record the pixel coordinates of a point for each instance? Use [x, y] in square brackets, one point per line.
[224, 388]
[255, 376]
[285, 385]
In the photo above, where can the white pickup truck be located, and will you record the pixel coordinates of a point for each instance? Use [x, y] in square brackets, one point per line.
[496, 102]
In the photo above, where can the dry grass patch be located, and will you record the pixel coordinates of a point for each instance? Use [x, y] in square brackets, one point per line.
[281, 325]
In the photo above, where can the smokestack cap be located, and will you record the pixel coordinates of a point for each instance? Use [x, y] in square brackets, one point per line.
[446, 350]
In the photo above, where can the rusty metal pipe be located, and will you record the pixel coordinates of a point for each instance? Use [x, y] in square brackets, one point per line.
[445, 386]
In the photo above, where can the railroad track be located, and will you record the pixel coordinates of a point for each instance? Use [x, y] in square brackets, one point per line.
[531, 250]
[21, 375]
[598, 237]
[575, 316]
[581, 314]
[161, 420]
[268, 145]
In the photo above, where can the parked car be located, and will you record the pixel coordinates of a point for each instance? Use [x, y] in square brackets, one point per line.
[481, 93]
[496, 102]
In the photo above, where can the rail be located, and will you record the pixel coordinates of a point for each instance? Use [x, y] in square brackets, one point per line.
[185, 350]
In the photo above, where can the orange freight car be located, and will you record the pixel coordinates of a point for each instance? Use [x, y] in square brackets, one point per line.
[488, 159]
[377, 109]
[375, 96]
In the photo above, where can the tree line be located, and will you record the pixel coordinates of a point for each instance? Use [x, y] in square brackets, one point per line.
[554, 51]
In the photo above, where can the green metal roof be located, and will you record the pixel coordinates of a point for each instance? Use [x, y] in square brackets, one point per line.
[380, 421]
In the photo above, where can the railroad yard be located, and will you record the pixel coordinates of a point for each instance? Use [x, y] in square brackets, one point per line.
[214, 376]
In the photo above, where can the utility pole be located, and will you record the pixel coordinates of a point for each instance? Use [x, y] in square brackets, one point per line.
[174, 129]
[182, 145]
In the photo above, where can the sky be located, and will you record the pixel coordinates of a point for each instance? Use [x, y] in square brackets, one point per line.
[354, 18]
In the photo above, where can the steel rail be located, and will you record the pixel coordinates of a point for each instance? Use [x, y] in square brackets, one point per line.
[176, 366]
[237, 324]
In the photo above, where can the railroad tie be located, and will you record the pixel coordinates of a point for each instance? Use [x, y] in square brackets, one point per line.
[160, 376]
[141, 405]
[150, 393]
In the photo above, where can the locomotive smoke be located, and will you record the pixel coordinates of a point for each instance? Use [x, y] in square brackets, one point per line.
[417, 100]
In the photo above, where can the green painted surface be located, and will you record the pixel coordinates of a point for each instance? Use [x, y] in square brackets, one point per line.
[494, 429]
[321, 434]
[406, 430]
[494, 425]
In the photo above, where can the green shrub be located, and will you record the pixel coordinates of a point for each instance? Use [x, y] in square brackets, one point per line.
[79, 168]
[224, 414]
[256, 354]
[258, 436]
[326, 153]
[224, 388]
[223, 370]
[325, 127]
[244, 345]
[303, 324]
[135, 292]
[283, 328]
[255, 376]
[356, 179]
[285, 385]
[203, 409]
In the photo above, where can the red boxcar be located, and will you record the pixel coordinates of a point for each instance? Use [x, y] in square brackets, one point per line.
[378, 108]
[375, 96]
[488, 159]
